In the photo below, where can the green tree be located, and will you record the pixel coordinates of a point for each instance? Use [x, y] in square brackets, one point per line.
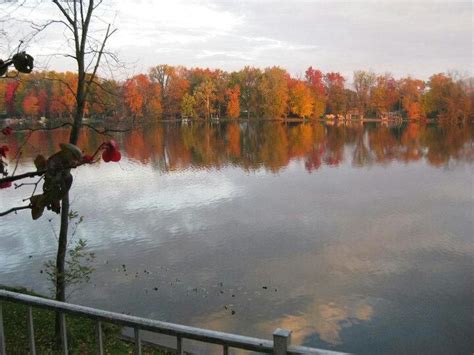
[205, 94]
[187, 106]
[363, 84]
[247, 79]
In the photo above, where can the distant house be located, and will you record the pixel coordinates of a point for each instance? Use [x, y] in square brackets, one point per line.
[354, 114]
[391, 115]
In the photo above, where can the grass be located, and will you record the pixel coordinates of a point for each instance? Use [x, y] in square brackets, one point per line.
[81, 332]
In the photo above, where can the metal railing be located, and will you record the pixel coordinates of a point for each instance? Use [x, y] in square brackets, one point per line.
[279, 346]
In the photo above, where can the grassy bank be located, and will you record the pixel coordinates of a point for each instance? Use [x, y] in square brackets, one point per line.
[81, 332]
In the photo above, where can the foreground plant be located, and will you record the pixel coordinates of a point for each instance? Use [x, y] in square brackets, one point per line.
[54, 172]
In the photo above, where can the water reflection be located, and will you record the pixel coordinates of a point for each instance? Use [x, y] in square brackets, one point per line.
[170, 147]
[245, 227]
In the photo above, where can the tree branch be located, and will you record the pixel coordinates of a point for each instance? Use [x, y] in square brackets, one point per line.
[22, 176]
[65, 83]
[14, 209]
[64, 12]
[107, 36]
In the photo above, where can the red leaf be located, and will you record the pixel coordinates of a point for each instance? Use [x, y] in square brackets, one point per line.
[3, 150]
[115, 156]
[7, 131]
[107, 155]
[5, 185]
[87, 158]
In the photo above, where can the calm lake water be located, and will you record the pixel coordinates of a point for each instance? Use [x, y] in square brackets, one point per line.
[358, 238]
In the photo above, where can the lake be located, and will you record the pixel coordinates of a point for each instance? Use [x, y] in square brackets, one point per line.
[359, 238]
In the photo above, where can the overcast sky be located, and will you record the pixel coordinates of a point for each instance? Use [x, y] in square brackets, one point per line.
[416, 37]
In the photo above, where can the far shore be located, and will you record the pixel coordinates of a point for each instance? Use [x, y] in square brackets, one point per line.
[24, 120]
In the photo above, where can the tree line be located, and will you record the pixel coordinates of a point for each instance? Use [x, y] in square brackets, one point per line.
[175, 92]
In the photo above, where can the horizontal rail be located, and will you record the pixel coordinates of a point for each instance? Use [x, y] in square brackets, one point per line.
[181, 331]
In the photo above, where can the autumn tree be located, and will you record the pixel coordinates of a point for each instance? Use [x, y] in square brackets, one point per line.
[446, 98]
[142, 97]
[336, 99]
[314, 78]
[301, 99]
[30, 105]
[363, 84]
[205, 94]
[188, 104]
[220, 79]
[273, 93]
[233, 101]
[11, 88]
[63, 93]
[247, 79]
[384, 95]
[411, 94]
[133, 97]
[173, 85]
[106, 100]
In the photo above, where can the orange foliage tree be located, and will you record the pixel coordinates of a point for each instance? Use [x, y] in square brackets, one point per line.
[30, 105]
[233, 103]
[301, 99]
[411, 93]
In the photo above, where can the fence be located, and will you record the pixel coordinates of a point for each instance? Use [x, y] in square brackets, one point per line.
[279, 346]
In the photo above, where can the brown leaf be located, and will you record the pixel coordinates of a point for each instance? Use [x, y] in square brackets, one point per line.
[40, 162]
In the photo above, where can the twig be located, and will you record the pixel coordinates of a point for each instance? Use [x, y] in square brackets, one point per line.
[14, 209]
[104, 131]
[22, 176]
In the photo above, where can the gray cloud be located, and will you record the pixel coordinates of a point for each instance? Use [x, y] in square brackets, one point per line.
[418, 38]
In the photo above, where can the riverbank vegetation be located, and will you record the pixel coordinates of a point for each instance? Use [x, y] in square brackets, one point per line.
[170, 93]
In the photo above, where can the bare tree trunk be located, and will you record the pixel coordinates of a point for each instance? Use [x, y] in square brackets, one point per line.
[62, 244]
[63, 231]
[77, 21]
[61, 261]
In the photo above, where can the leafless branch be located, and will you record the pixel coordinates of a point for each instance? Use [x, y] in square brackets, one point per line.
[92, 77]
[105, 131]
[64, 12]
[104, 89]
[43, 26]
[65, 83]
[14, 209]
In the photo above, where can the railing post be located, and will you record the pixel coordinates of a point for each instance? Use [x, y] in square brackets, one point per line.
[100, 345]
[179, 345]
[226, 349]
[281, 341]
[138, 342]
[31, 331]
[63, 331]
[2, 334]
